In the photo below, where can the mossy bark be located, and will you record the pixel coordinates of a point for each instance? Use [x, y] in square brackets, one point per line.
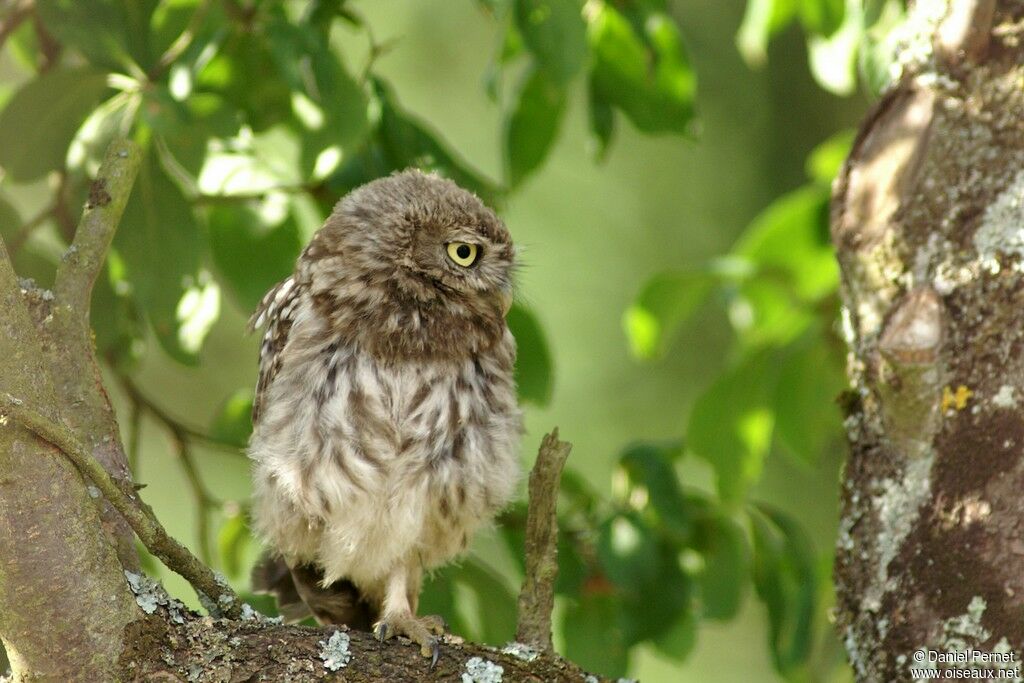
[927, 221]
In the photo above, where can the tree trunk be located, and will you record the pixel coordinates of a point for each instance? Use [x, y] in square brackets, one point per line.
[928, 224]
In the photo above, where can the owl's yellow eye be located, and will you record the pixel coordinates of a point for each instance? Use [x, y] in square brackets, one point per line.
[462, 253]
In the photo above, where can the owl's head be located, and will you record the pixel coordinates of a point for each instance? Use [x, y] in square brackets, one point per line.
[416, 252]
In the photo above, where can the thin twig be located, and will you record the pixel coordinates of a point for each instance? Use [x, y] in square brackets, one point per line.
[537, 597]
[139, 515]
[108, 196]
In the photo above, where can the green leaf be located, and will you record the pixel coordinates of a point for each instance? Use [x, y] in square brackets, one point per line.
[232, 540]
[628, 551]
[723, 577]
[533, 125]
[251, 253]
[791, 239]
[160, 243]
[647, 75]
[187, 127]
[245, 73]
[786, 581]
[405, 142]
[666, 302]
[495, 602]
[649, 468]
[823, 17]
[118, 324]
[593, 634]
[330, 104]
[827, 158]
[534, 371]
[602, 124]
[233, 423]
[554, 32]
[110, 33]
[731, 426]
[762, 20]
[807, 417]
[833, 59]
[40, 120]
[678, 642]
[878, 49]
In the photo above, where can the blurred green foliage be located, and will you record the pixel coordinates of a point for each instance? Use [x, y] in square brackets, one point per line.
[255, 120]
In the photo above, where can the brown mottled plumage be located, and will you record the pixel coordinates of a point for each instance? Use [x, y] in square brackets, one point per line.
[386, 424]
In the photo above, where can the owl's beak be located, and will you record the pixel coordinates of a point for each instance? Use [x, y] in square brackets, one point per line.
[506, 302]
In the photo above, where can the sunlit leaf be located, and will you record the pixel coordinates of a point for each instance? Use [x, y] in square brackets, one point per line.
[187, 127]
[244, 72]
[533, 125]
[336, 104]
[160, 243]
[41, 118]
[647, 76]
[790, 239]
[232, 424]
[554, 32]
[823, 17]
[649, 471]
[826, 159]
[807, 417]
[731, 425]
[762, 19]
[665, 303]
[833, 59]
[251, 253]
[534, 375]
[785, 580]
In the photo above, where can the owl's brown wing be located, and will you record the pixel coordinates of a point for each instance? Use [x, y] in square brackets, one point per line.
[276, 311]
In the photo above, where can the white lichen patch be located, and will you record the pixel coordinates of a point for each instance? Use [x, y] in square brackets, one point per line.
[965, 630]
[591, 678]
[149, 595]
[1002, 227]
[480, 670]
[334, 651]
[1005, 397]
[896, 506]
[521, 651]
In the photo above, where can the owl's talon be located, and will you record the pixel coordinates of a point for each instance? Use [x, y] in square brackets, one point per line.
[435, 653]
[423, 631]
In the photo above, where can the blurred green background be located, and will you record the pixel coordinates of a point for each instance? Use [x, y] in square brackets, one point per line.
[677, 312]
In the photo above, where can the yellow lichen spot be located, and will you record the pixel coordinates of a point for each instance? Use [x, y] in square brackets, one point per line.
[955, 399]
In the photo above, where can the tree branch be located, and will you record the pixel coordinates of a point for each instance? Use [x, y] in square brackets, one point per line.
[141, 518]
[108, 196]
[537, 597]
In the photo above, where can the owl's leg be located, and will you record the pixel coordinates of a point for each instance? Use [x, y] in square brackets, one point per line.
[399, 619]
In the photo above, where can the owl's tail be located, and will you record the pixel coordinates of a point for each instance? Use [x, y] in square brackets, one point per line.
[299, 594]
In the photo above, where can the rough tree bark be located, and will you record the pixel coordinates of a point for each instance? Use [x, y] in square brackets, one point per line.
[73, 605]
[928, 224]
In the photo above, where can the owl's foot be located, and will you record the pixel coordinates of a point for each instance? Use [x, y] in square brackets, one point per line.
[424, 631]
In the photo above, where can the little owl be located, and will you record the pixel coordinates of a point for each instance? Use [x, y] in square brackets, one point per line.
[385, 420]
